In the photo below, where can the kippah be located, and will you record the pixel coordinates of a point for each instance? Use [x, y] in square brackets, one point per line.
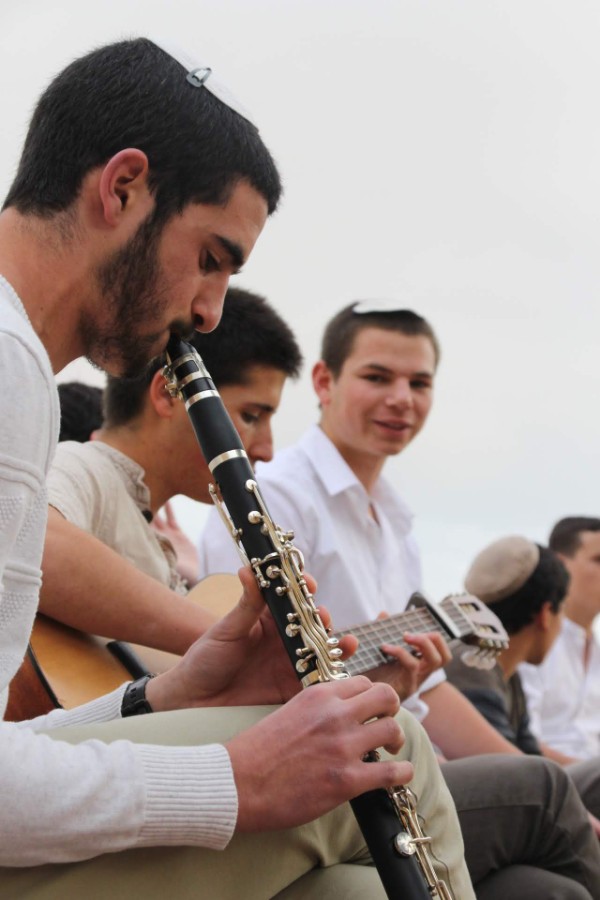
[502, 568]
[201, 75]
[363, 307]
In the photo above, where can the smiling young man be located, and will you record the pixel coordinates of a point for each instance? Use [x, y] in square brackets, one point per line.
[140, 190]
[374, 383]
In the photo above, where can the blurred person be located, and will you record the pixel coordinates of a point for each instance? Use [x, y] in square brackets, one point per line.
[563, 692]
[525, 584]
[80, 410]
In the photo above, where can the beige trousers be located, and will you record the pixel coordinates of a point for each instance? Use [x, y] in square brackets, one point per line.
[326, 859]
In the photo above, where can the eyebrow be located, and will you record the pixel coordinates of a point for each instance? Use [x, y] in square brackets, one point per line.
[234, 251]
[263, 407]
[384, 369]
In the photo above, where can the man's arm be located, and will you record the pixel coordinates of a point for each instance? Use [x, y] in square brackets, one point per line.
[455, 726]
[88, 586]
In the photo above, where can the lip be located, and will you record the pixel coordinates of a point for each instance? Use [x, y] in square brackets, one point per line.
[394, 426]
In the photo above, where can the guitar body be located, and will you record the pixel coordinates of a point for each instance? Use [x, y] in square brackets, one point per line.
[65, 667]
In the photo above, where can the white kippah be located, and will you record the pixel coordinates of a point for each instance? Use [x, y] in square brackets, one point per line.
[378, 306]
[200, 75]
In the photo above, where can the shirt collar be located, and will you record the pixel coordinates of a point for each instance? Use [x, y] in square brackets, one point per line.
[133, 476]
[338, 478]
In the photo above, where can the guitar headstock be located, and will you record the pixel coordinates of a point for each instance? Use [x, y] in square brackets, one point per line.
[479, 627]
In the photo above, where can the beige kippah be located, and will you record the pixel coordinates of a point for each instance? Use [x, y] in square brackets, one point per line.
[502, 568]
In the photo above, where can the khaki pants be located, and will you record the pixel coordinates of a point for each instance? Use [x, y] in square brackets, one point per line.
[326, 859]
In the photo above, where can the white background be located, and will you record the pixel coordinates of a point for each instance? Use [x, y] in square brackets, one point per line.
[442, 152]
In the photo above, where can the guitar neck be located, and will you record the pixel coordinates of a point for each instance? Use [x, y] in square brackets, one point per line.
[392, 629]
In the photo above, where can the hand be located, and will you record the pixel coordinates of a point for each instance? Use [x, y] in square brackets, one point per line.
[168, 527]
[306, 758]
[239, 661]
[408, 672]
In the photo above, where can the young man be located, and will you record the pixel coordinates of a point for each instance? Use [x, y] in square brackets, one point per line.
[144, 454]
[375, 383]
[139, 192]
[563, 693]
[525, 584]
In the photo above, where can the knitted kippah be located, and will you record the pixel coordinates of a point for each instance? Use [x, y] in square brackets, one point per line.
[502, 568]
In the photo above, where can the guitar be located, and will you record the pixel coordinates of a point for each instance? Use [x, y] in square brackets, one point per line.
[65, 667]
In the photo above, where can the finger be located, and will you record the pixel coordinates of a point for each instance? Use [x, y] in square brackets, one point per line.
[401, 656]
[384, 732]
[239, 620]
[170, 514]
[377, 701]
[385, 774]
[383, 615]
[348, 645]
[431, 647]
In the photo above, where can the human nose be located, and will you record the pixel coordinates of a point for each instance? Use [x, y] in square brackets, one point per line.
[207, 306]
[262, 446]
[400, 393]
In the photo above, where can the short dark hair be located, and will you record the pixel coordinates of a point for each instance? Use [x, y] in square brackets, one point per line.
[565, 537]
[134, 94]
[80, 410]
[250, 333]
[547, 583]
[341, 331]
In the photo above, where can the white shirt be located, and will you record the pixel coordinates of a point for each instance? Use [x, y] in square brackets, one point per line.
[363, 565]
[564, 698]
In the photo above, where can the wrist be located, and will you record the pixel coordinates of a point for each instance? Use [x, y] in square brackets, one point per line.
[135, 700]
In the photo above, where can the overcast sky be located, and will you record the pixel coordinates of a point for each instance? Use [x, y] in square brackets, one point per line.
[443, 152]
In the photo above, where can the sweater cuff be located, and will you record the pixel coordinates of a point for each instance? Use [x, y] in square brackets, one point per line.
[191, 797]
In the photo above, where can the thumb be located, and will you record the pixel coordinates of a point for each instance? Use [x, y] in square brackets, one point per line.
[248, 609]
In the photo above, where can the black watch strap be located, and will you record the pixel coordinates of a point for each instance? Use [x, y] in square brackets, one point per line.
[134, 699]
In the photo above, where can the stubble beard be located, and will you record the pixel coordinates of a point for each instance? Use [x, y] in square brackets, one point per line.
[133, 293]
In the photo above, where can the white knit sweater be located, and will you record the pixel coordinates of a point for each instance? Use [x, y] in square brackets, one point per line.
[61, 802]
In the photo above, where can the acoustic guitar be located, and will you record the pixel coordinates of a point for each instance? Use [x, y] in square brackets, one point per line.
[65, 667]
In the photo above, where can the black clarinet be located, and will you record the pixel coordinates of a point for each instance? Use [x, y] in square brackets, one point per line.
[387, 819]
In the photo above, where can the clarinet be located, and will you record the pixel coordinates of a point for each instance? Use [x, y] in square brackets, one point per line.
[387, 818]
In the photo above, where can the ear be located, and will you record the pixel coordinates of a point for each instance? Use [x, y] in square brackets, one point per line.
[323, 380]
[159, 398]
[544, 617]
[123, 185]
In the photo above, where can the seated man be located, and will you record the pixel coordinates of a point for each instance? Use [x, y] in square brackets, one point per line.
[374, 383]
[563, 693]
[139, 192]
[525, 585]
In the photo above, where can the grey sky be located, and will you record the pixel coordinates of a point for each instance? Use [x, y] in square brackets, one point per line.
[444, 152]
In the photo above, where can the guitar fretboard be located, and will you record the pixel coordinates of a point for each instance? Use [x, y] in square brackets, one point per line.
[391, 630]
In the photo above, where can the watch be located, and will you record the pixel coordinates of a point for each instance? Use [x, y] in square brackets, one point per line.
[134, 699]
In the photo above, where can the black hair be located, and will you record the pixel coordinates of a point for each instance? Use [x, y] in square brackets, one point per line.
[565, 537]
[80, 410]
[341, 331]
[250, 333]
[134, 94]
[548, 583]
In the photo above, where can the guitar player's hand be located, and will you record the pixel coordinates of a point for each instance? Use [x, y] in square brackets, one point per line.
[409, 670]
[239, 661]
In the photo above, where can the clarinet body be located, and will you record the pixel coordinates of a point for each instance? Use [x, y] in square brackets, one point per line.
[387, 819]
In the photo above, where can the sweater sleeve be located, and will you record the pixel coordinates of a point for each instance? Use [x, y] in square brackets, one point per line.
[62, 802]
